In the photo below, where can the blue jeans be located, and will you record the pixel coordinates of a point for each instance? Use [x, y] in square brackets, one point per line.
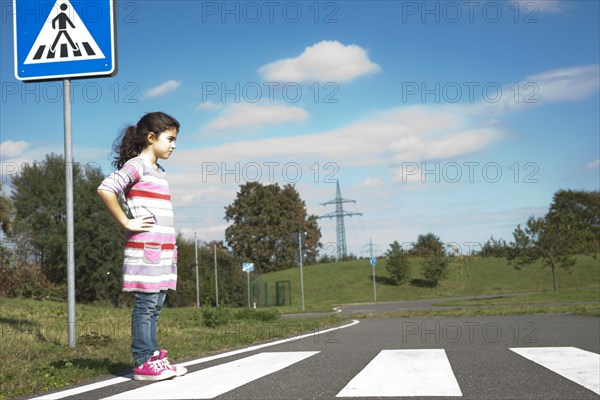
[143, 325]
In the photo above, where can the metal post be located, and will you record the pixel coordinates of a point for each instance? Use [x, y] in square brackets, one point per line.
[300, 258]
[248, 275]
[197, 279]
[216, 278]
[69, 212]
[374, 287]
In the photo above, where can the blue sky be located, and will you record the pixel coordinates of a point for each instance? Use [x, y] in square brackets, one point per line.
[457, 118]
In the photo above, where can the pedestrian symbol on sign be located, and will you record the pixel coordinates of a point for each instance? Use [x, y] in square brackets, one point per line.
[63, 19]
[71, 34]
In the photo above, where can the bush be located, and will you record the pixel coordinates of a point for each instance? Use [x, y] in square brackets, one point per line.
[435, 267]
[29, 281]
[257, 315]
[216, 316]
[397, 264]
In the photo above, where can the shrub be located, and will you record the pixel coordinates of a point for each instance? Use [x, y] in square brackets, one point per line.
[216, 316]
[397, 264]
[257, 315]
[435, 267]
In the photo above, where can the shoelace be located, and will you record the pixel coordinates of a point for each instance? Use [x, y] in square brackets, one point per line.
[157, 365]
[166, 363]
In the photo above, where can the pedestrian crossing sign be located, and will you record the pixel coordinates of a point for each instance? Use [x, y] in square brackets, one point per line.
[59, 39]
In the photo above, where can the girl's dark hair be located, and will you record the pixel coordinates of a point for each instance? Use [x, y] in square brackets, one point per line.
[133, 139]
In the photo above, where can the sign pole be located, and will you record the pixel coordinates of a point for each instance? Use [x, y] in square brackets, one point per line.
[248, 276]
[197, 279]
[248, 267]
[300, 258]
[374, 287]
[373, 263]
[216, 277]
[69, 204]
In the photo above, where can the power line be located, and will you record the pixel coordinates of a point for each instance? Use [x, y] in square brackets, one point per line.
[339, 215]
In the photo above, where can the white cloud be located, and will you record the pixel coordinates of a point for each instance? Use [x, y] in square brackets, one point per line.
[208, 106]
[529, 8]
[10, 148]
[162, 89]
[566, 84]
[387, 139]
[557, 85]
[242, 115]
[15, 155]
[372, 182]
[323, 61]
[593, 165]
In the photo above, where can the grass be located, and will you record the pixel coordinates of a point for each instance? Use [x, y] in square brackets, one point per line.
[36, 356]
[34, 333]
[330, 285]
[590, 310]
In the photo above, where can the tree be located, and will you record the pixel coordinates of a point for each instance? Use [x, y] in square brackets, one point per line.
[435, 261]
[39, 228]
[426, 245]
[263, 219]
[435, 267]
[585, 207]
[569, 228]
[5, 217]
[494, 248]
[397, 264]
[5, 211]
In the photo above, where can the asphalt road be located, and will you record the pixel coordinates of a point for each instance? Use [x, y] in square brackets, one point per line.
[405, 305]
[476, 355]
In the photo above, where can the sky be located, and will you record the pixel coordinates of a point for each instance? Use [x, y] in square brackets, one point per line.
[457, 118]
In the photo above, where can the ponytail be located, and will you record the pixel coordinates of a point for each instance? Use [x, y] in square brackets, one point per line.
[127, 146]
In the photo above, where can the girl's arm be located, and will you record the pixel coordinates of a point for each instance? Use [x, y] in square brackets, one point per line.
[140, 224]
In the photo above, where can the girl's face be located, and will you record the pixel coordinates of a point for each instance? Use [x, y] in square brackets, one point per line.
[163, 145]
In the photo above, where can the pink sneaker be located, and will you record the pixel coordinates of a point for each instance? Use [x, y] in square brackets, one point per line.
[179, 370]
[152, 370]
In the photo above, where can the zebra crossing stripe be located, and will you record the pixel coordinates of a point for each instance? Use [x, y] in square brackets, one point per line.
[214, 381]
[579, 366]
[64, 51]
[395, 373]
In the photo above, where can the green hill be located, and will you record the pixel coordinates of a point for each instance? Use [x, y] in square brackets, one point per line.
[332, 284]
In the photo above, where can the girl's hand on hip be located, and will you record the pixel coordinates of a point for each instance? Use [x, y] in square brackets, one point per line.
[140, 224]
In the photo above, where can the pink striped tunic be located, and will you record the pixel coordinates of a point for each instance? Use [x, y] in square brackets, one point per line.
[150, 263]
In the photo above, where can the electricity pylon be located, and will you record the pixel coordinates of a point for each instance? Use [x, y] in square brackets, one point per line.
[373, 248]
[339, 215]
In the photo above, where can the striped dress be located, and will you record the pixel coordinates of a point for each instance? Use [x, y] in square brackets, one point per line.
[150, 263]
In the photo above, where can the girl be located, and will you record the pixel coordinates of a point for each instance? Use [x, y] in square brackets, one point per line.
[150, 265]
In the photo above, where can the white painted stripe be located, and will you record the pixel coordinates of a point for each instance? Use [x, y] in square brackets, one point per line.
[114, 381]
[86, 388]
[579, 366]
[395, 373]
[214, 381]
[269, 344]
